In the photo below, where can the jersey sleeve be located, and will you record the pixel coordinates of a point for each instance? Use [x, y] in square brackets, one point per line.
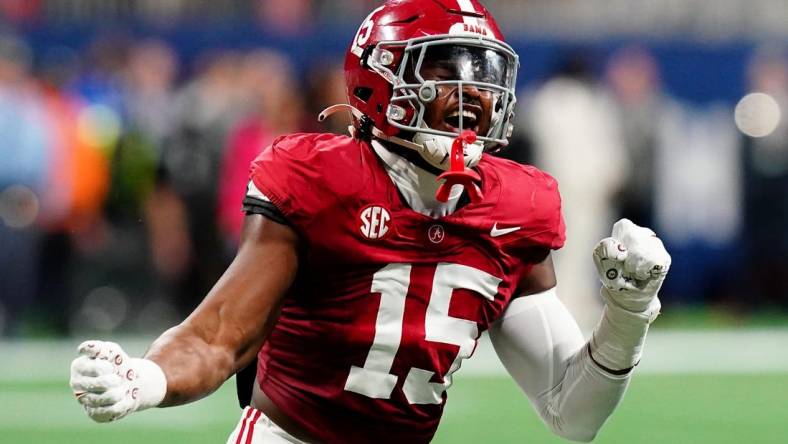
[546, 208]
[255, 202]
[530, 200]
[538, 206]
[288, 176]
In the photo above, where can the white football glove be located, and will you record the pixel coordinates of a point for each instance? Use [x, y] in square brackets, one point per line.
[110, 385]
[632, 264]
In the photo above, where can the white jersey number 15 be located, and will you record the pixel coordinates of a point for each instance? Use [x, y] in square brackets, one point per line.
[392, 282]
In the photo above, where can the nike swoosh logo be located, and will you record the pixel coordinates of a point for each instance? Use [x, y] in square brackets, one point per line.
[495, 232]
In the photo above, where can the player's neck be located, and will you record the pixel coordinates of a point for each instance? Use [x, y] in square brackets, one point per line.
[413, 157]
[416, 180]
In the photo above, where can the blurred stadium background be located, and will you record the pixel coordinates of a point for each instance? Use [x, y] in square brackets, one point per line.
[126, 128]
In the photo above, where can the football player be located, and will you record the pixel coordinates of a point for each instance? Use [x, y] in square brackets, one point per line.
[360, 292]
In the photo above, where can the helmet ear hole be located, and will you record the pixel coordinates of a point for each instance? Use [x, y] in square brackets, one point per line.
[427, 92]
[362, 93]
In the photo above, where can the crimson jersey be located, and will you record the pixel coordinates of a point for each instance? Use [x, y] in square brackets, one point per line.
[387, 301]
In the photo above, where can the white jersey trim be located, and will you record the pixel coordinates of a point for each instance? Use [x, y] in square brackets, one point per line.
[255, 193]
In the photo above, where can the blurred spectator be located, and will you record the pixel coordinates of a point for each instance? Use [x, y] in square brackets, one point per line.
[24, 152]
[275, 108]
[149, 103]
[682, 177]
[766, 189]
[206, 108]
[698, 201]
[633, 77]
[150, 78]
[577, 140]
[326, 87]
[24, 143]
[75, 191]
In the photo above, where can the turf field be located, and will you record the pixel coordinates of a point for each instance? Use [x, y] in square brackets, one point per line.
[733, 390]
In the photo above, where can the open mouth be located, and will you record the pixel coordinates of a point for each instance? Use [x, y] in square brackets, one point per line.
[470, 119]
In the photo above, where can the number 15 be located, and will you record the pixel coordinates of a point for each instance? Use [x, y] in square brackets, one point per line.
[392, 282]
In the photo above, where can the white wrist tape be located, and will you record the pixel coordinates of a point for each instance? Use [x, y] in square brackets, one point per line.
[151, 383]
[110, 385]
[617, 341]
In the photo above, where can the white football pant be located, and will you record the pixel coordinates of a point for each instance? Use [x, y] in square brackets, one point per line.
[256, 428]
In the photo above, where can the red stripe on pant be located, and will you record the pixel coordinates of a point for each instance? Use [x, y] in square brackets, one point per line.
[250, 433]
[244, 422]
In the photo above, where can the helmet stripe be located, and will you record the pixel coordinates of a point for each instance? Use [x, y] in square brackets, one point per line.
[467, 6]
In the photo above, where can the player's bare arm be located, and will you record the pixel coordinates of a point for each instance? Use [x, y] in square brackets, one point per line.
[228, 328]
[541, 278]
[221, 336]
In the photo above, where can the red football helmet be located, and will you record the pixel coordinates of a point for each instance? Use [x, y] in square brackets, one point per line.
[391, 45]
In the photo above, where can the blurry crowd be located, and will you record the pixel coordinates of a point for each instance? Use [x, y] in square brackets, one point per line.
[621, 146]
[122, 173]
[122, 170]
[717, 20]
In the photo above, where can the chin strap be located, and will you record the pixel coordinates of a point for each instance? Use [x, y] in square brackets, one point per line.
[374, 131]
[458, 174]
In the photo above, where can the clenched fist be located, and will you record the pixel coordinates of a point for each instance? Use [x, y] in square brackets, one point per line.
[632, 264]
[110, 385]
